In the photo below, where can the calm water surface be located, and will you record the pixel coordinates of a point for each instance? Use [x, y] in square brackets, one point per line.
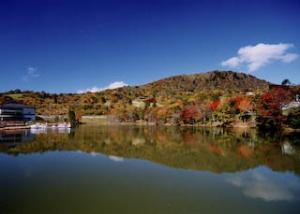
[132, 170]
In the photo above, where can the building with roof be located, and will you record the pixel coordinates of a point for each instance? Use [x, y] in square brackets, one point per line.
[16, 112]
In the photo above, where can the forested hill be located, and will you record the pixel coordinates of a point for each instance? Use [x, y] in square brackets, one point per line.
[227, 81]
[172, 94]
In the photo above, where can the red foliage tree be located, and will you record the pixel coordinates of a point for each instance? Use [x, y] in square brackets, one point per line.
[270, 104]
[190, 114]
[214, 105]
[243, 104]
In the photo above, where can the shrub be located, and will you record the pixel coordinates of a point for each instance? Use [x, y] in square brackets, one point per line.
[293, 119]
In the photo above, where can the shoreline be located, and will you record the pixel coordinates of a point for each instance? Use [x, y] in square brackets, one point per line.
[145, 124]
[14, 127]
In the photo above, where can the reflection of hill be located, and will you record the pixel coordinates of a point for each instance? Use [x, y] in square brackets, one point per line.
[211, 150]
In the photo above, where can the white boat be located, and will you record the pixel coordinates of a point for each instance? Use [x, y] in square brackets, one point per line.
[34, 126]
[64, 126]
[38, 126]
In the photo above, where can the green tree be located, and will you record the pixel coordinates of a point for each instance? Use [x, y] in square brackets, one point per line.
[286, 82]
[72, 118]
[293, 119]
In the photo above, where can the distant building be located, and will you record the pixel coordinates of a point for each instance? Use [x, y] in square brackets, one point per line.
[143, 101]
[275, 86]
[138, 103]
[250, 94]
[293, 104]
[16, 112]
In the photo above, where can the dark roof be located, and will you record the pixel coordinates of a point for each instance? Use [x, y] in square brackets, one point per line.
[272, 86]
[15, 105]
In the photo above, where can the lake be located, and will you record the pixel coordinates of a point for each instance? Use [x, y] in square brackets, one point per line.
[123, 169]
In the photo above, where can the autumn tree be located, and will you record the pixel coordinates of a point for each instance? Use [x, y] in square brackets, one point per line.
[269, 108]
[214, 104]
[190, 115]
[244, 107]
[78, 115]
[161, 114]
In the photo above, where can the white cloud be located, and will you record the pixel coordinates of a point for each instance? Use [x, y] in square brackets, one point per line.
[31, 72]
[255, 57]
[232, 62]
[114, 85]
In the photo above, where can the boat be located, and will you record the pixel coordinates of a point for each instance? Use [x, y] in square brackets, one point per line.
[64, 126]
[34, 126]
[38, 126]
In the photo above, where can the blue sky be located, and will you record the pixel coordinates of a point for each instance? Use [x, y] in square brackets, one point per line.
[66, 46]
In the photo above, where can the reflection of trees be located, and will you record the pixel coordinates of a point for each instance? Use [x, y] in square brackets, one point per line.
[214, 150]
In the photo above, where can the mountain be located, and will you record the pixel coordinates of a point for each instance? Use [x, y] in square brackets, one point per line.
[222, 80]
[173, 92]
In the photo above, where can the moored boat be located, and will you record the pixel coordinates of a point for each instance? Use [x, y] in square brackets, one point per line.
[38, 126]
[46, 126]
[64, 125]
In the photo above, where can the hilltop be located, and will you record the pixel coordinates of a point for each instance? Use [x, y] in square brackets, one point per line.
[227, 81]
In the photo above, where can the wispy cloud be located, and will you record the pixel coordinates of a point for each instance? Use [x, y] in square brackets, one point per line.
[257, 56]
[31, 73]
[114, 85]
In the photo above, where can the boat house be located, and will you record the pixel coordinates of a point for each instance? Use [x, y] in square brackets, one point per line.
[13, 112]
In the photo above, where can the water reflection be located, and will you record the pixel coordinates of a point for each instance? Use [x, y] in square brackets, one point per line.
[25, 135]
[12, 137]
[116, 158]
[287, 149]
[213, 150]
[45, 131]
[148, 170]
[263, 184]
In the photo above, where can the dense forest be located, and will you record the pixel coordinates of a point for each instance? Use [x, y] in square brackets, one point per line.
[216, 98]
